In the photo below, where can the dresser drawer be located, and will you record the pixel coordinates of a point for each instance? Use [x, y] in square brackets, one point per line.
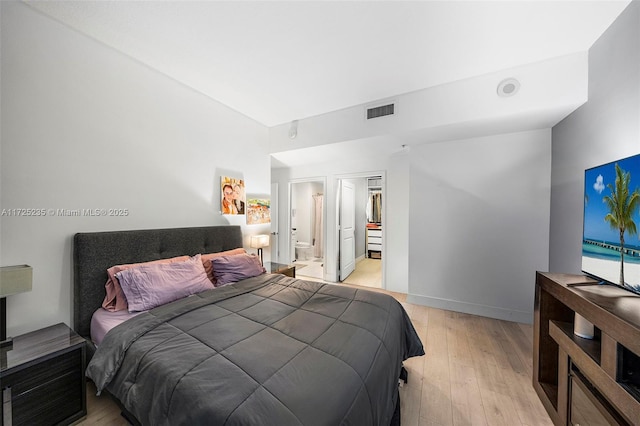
[374, 233]
[49, 403]
[375, 247]
[47, 393]
[587, 406]
[25, 380]
[374, 240]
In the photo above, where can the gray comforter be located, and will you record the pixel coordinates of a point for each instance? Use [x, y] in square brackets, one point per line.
[269, 350]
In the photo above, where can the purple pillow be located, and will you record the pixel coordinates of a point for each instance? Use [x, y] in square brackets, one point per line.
[231, 269]
[150, 285]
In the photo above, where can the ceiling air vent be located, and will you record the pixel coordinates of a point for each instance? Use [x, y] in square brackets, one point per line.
[380, 111]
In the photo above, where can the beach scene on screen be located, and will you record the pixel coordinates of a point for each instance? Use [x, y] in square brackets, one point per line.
[607, 208]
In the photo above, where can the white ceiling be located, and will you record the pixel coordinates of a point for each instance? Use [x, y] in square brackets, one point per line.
[281, 61]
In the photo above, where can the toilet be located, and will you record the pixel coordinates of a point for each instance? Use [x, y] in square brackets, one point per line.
[304, 250]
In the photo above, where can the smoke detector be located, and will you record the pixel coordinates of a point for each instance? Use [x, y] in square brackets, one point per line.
[508, 87]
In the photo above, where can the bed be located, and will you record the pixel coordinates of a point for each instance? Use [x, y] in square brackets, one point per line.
[269, 349]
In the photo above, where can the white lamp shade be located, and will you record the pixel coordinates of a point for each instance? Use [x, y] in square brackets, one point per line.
[15, 279]
[259, 241]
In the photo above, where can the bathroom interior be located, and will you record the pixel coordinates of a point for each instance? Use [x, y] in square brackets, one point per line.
[307, 245]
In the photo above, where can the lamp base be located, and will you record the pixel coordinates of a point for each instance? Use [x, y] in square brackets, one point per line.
[7, 344]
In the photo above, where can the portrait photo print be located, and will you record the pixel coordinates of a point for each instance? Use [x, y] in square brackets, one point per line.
[233, 195]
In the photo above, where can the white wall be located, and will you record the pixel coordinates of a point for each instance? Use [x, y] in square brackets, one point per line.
[396, 230]
[605, 129]
[436, 122]
[479, 221]
[475, 224]
[85, 127]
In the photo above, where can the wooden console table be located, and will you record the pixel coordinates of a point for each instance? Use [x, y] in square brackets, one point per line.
[580, 379]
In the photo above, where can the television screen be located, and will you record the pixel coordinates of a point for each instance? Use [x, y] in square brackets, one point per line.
[611, 227]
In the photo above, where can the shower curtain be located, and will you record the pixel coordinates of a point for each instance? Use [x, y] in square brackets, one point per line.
[317, 226]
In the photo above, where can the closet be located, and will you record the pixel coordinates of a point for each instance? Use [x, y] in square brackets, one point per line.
[374, 218]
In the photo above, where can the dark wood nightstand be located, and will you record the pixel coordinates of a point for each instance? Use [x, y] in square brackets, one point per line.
[42, 378]
[280, 268]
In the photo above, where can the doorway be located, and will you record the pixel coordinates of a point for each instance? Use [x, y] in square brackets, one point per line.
[368, 230]
[307, 227]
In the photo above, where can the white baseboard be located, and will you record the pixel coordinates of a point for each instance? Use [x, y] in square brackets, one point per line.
[525, 317]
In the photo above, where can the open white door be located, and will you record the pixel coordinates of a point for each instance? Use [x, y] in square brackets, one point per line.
[275, 248]
[347, 229]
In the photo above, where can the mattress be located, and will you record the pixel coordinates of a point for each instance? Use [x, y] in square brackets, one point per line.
[102, 321]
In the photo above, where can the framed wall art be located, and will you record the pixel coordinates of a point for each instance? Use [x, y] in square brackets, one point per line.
[258, 211]
[233, 195]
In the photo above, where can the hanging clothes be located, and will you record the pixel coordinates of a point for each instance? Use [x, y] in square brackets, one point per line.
[374, 207]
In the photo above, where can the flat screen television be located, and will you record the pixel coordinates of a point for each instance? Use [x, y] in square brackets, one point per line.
[611, 226]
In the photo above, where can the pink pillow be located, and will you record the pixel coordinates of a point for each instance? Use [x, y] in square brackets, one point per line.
[206, 260]
[115, 299]
[231, 269]
[148, 286]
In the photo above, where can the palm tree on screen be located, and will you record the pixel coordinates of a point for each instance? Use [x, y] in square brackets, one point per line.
[622, 205]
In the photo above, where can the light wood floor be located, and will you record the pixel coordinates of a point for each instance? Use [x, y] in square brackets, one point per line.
[101, 410]
[368, 273]
[476, 371]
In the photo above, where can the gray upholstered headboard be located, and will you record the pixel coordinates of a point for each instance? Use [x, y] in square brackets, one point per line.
[95, 252]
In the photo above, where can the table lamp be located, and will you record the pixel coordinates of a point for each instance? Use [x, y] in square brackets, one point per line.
[13, 280]
[258, 242]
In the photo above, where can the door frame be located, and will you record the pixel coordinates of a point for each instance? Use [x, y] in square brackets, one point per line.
[275, 230]
[320, 179]
[336, 240]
